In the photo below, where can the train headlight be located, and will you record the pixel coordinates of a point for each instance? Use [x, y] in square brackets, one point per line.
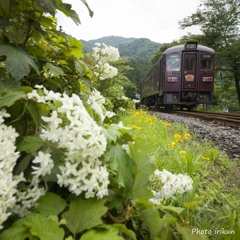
[172, 79]
[207, 79]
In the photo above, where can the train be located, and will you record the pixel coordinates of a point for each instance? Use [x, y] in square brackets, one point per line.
[183, 77]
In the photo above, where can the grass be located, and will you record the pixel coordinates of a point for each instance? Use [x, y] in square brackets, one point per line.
[214, 203]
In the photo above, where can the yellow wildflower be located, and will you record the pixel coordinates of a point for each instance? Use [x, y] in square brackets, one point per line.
[205, 158]
[150, 121]
[136, 127]
[186, 136]
[172, 144]
[177, 136]
[182, 153]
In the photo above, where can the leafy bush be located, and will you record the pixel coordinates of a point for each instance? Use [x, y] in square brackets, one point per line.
[69, 168]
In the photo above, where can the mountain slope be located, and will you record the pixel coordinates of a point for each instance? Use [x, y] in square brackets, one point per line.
[133, 48]
[138, 50]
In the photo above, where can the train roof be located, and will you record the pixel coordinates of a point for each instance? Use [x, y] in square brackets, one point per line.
[180, 48]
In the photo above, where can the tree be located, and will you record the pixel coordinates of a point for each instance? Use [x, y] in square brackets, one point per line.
[220, 23]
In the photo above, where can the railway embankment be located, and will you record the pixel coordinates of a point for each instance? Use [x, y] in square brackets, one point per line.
[225, 138]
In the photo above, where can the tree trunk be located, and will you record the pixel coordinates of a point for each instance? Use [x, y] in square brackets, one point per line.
[237, 83]
[236, 73]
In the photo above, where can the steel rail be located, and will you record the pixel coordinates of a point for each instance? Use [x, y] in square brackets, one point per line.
[227, 119]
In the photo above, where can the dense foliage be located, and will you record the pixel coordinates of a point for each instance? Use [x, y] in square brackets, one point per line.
[69, 168]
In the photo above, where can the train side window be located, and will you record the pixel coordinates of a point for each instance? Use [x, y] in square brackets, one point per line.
[173, 62]
[190, 62]
[206, 62]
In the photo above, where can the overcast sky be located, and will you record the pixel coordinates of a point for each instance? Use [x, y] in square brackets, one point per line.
[153, 19]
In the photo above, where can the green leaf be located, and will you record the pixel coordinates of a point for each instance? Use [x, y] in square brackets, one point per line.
[123, 165]
[75, 48]
[151, 217]
[43, 227]
[18, 62]
[5, 8]
[187, 234]
[16, 232]
[10, 98]
[139, 151]
[112, 132]
[84, 214]
[89, 9]
[54, 70]
[16, 35]
[22, 164]
[50, 204]
[49, 6]
[30, 144]
[123, 229]
[106, 234]
[69, 12]
[33, 109]
[177, 210]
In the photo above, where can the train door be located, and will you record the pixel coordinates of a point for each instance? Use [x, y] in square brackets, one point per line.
[189, 80]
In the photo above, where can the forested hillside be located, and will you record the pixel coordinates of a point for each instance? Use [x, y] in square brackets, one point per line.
[138, 50]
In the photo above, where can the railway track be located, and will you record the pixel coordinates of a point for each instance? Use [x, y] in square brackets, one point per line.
[226, 138]
[226, 119]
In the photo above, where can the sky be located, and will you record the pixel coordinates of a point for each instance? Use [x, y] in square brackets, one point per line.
[157, 20]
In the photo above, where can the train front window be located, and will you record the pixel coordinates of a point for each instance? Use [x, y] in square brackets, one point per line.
[173, 63]
[190, 62]
[206, 62]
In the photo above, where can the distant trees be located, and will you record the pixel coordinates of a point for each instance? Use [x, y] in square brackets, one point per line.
[220, 23]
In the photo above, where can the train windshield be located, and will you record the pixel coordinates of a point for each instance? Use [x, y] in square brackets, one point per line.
[173, 62]
[206, 62]
[190, 62]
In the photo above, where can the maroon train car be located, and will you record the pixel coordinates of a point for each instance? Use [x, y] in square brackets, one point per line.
[183, 76]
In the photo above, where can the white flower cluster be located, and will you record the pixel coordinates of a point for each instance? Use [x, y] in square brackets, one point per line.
[27, 198]
[104, 55]
[73, 130]
[165, 184]
[8, 158]
[45, 164]
[11, 199]
[96, 101]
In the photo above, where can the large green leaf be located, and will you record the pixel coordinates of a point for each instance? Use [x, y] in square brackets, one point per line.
[16, 232]
[49, 6]
[187, 233]
[18, 62]
[159, 228]
[5, 8]
[124, 167]
[44, 228]
[69, 12]
[50, 204]
[123, 229]
[89, 9]
[10, 98]
[30, 144]
[75, 48]
[84, 214]
[33, 109]
[177, 210]
[145, 167]
[54, 71]
[112, 133]
[106, 234]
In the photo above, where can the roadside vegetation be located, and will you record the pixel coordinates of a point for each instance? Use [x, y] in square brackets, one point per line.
[213, 203]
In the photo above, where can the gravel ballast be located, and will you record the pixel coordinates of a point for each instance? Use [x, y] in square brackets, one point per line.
[225, 138]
